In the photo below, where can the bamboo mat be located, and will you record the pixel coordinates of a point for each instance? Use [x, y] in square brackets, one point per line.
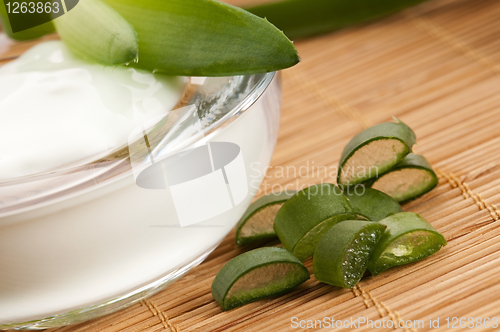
[437, 68]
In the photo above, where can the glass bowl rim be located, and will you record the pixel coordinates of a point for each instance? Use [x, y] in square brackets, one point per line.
[41, 200]
[253, 95]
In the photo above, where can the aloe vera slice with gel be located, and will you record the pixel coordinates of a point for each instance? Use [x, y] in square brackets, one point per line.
[257, 222]
[257, 274]
[408, 238]
[341, 256]
[306, 216]
[408, 180]
[374, 151]
[371, 204]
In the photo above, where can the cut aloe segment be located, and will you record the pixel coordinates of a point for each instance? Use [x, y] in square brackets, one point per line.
[257, 274]
[257, 222]
[371, 204]
[374, 151]
[410, 179]
[342, 254]
[97, 33]
[204, 38]
[302, 18]
[307, 215]
[408, 238]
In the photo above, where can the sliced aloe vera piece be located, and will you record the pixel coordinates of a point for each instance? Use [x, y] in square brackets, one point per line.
[374, 151]
[307, 215]
[408, 238]
[257, 274]
[302, 18]
[257, 222]
[204, 38]
[410, 179]
[97, 33]
[371, 204]
[341, 256]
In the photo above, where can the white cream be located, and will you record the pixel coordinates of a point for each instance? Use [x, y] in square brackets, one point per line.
[56, 109]
[114, 239]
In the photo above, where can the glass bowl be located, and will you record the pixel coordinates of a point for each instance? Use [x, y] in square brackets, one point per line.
[89, 238]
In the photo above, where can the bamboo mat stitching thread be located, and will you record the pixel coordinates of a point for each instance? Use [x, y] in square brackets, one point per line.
[356, 116]
[353, 114]
[399, 319]
[161, 315]
[467, 192]
[357, 293]
[393, 317]
[381, 307]
[437, 32]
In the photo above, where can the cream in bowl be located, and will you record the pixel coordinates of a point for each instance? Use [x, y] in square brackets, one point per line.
[115, 181]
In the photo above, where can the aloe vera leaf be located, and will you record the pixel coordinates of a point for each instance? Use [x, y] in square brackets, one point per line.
[341, 256]
[257, 274]
[204, 38]
[257, 222]
[411, 178]
[97, 33]
[408, 238]
[370, 203]
[32, 33]
[374, 151]
[307, 215]
[302, 18]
